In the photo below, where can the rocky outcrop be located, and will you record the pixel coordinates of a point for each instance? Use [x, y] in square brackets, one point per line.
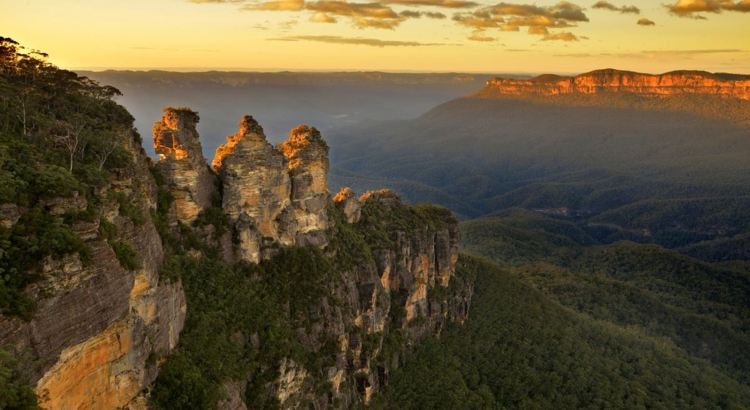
[609, 80]
[274, 196]
[349, 204]
[307, 156]
[182, 162]
[406, 292]
[99, 329]
[9, 215]
[257, 189]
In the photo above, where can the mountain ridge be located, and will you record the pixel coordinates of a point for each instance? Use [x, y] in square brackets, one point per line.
[613, 80]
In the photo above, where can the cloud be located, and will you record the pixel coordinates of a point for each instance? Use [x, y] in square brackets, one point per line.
[692, 8]
[513, 16]
[358, 41]
[322, 18]
[605, 5]
[562, 36]
[659, 54]
[742, 6]
[451, 4]
[645, 22]
[286, 25]
[276, 5]
[215, 1]
[363, 15]
[418, 14]
[478, 36]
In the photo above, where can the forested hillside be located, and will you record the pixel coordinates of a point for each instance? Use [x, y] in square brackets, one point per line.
[671, 170]
[559, 322]
[523, 349]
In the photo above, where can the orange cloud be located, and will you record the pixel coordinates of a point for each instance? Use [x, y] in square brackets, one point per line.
[418, 14]
[512, 16]
[692, 8]
[645, 22]
[477, 36]
[358, 41]
[452, 4]
[605, 5]
[276, 5]
[322, 18]
[562, 36]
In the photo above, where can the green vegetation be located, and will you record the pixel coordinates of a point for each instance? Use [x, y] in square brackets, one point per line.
[61, 136]
[15, 391]
[126, 255]
[523, 350]
[671, 171]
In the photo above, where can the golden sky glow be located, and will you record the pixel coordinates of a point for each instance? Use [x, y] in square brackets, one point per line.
[395, 35]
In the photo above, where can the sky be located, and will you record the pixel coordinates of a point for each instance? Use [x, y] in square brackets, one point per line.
[390, 35]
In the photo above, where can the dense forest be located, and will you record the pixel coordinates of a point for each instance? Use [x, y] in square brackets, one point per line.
[525, 349]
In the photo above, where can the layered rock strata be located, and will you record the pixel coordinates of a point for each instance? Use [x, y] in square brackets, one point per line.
[407, 291]
[257, 189]
[182, 163]
[98, 329]
[609, 80]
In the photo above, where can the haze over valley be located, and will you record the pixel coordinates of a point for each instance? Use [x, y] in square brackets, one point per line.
[394, 204]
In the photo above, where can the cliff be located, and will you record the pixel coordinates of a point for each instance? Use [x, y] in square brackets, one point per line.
[274, 196]
[182, 163]
[99, 327]
[358, 281]
[612, 81]
[295, 299]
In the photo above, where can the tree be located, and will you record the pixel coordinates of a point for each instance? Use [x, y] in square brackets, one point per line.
[107, 146]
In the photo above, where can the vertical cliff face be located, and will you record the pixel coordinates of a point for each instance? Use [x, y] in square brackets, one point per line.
[610, 81]
[98, 328]
[307, 156]
[350, 284]
[182, 163]
[274, 196]
[257, 189]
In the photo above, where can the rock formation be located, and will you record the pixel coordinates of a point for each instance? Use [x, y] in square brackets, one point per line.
[609, 80]
[182, 162]
[101, 330]
[274, 196]
[307, 156]
[98, 329]
[349, 204]
[257, 189]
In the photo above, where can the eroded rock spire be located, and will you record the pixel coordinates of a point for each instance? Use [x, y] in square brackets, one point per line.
[182, 163]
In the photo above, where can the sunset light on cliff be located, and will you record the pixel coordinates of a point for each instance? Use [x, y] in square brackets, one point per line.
[394, 35]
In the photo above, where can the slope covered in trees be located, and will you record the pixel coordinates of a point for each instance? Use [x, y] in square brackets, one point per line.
[670, 170]
[523, 349]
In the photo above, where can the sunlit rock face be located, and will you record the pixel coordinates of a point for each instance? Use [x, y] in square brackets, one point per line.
[256, 183]
[603, 81]
[307, 156]
[98, 329]
[349, 203]
[182, 162]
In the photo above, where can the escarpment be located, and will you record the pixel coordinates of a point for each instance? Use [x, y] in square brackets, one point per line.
[385, 278]
[105, 317]
[298, 299]
[610, 81]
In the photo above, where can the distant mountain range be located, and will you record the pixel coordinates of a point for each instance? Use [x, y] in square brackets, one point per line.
[281, 101]
[603, 152]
